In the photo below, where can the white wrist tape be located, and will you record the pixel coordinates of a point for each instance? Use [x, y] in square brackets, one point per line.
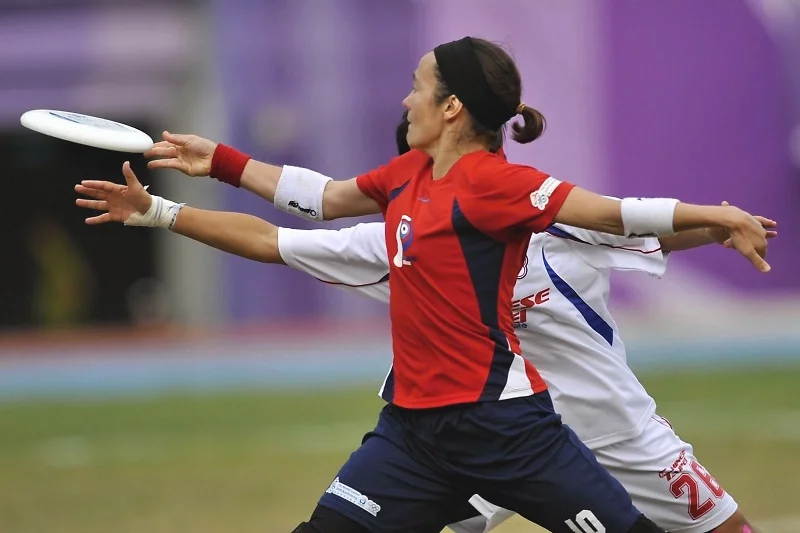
[299, 192]
[648, 217]
[162, 214]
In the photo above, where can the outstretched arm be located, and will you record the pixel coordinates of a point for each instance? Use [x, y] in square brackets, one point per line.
[591, 211]
[305, 193]
[686, 240]
[236, 233]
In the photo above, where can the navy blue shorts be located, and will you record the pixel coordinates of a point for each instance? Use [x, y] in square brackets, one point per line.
[418, 467]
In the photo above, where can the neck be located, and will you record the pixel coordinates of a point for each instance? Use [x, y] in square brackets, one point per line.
[445, 155]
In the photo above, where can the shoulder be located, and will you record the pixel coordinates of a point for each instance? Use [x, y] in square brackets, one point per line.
[413, 160]
[487, 172]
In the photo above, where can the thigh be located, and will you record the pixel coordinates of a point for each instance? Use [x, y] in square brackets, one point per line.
[667, 482]
[551, 478]
[387, 487]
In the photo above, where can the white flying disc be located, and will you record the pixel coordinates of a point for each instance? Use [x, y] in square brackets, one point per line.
[88, 130]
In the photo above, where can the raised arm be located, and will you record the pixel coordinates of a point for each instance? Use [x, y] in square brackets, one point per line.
[299, 191]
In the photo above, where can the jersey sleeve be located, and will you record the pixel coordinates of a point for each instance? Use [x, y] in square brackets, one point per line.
[351, 258]
[512, 199]
[379, 183]
[606, 251]
[374, 184]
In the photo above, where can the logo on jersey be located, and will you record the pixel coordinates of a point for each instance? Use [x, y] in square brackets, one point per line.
[520, 307]
[541, 196]
[405, 238]
[353, 496]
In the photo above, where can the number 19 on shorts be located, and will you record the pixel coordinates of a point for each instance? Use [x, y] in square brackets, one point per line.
[585, 522]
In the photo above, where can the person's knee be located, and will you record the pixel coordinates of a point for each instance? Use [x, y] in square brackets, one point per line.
[645, 525]
[735, 524]
[326, 520]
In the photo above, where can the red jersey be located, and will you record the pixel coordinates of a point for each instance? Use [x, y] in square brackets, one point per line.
[455, 248]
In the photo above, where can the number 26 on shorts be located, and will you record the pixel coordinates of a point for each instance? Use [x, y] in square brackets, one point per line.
[685, 483]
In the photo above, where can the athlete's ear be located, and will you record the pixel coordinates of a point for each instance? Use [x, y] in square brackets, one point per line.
[452, 107]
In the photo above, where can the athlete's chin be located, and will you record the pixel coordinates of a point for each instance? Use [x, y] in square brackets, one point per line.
[413, 139]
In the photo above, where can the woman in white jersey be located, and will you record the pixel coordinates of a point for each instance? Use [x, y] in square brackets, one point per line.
[438, 124]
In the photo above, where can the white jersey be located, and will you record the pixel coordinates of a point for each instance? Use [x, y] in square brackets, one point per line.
[560, 312]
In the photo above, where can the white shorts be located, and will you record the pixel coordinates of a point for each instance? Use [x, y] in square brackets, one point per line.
[663, 477]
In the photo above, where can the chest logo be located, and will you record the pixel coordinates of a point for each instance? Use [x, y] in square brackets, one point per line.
[405, 238]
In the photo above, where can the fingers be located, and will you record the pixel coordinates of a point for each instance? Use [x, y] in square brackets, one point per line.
[99, 219]
[758, 261]
[97, 205]
[169, 150]
[772, 234]
[167, 163]
[106, 186]
[758, 256]
[130, 177]
[160, 145]
[91, 193]
[175, 138]
[766, 222]
[724, 202]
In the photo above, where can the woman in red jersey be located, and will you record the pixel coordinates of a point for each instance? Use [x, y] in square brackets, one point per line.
[466, 414]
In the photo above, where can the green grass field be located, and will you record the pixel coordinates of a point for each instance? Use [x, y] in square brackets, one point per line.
[257, 462]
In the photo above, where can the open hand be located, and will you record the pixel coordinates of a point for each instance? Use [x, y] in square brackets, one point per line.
[188, 153]
[117, 201]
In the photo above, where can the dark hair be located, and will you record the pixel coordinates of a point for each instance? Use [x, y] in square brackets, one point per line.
[401, 133]
[504, 80]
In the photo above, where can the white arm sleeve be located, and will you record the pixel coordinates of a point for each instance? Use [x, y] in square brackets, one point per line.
[351, 258]
[606, 251]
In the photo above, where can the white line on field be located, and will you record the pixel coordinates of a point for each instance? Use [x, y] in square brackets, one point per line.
[77, 451]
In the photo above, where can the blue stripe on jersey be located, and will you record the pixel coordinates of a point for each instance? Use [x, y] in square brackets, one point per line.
[484, 257]
[594, 320]
[558, 232]
[388, 386]
[394, 193]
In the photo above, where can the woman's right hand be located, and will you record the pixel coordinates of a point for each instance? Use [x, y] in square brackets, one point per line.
[188, 153]
[747, 235]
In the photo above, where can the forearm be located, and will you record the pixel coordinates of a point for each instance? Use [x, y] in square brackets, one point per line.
[301, 197]
[236, 233]
[587, 210]
[686, 240]
[261, 179]
[691, 217]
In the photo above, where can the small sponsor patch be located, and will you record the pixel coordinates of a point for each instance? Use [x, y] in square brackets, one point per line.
[353, 496]
[541, 196]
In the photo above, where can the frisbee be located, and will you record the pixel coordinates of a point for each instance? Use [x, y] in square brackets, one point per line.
[87, 130]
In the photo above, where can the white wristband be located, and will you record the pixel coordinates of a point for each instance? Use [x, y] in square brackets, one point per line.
[648, 217]
[162, 214]
[299, 192]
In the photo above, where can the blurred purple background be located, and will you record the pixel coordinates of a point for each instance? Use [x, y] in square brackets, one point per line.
[698, 100]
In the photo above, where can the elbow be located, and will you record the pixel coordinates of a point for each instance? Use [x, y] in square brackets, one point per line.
[266, 247]
[331, 205]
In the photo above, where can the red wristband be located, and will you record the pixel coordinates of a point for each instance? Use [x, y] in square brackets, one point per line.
[227, 164]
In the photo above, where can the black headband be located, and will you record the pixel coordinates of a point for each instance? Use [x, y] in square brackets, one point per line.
[462, 73]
